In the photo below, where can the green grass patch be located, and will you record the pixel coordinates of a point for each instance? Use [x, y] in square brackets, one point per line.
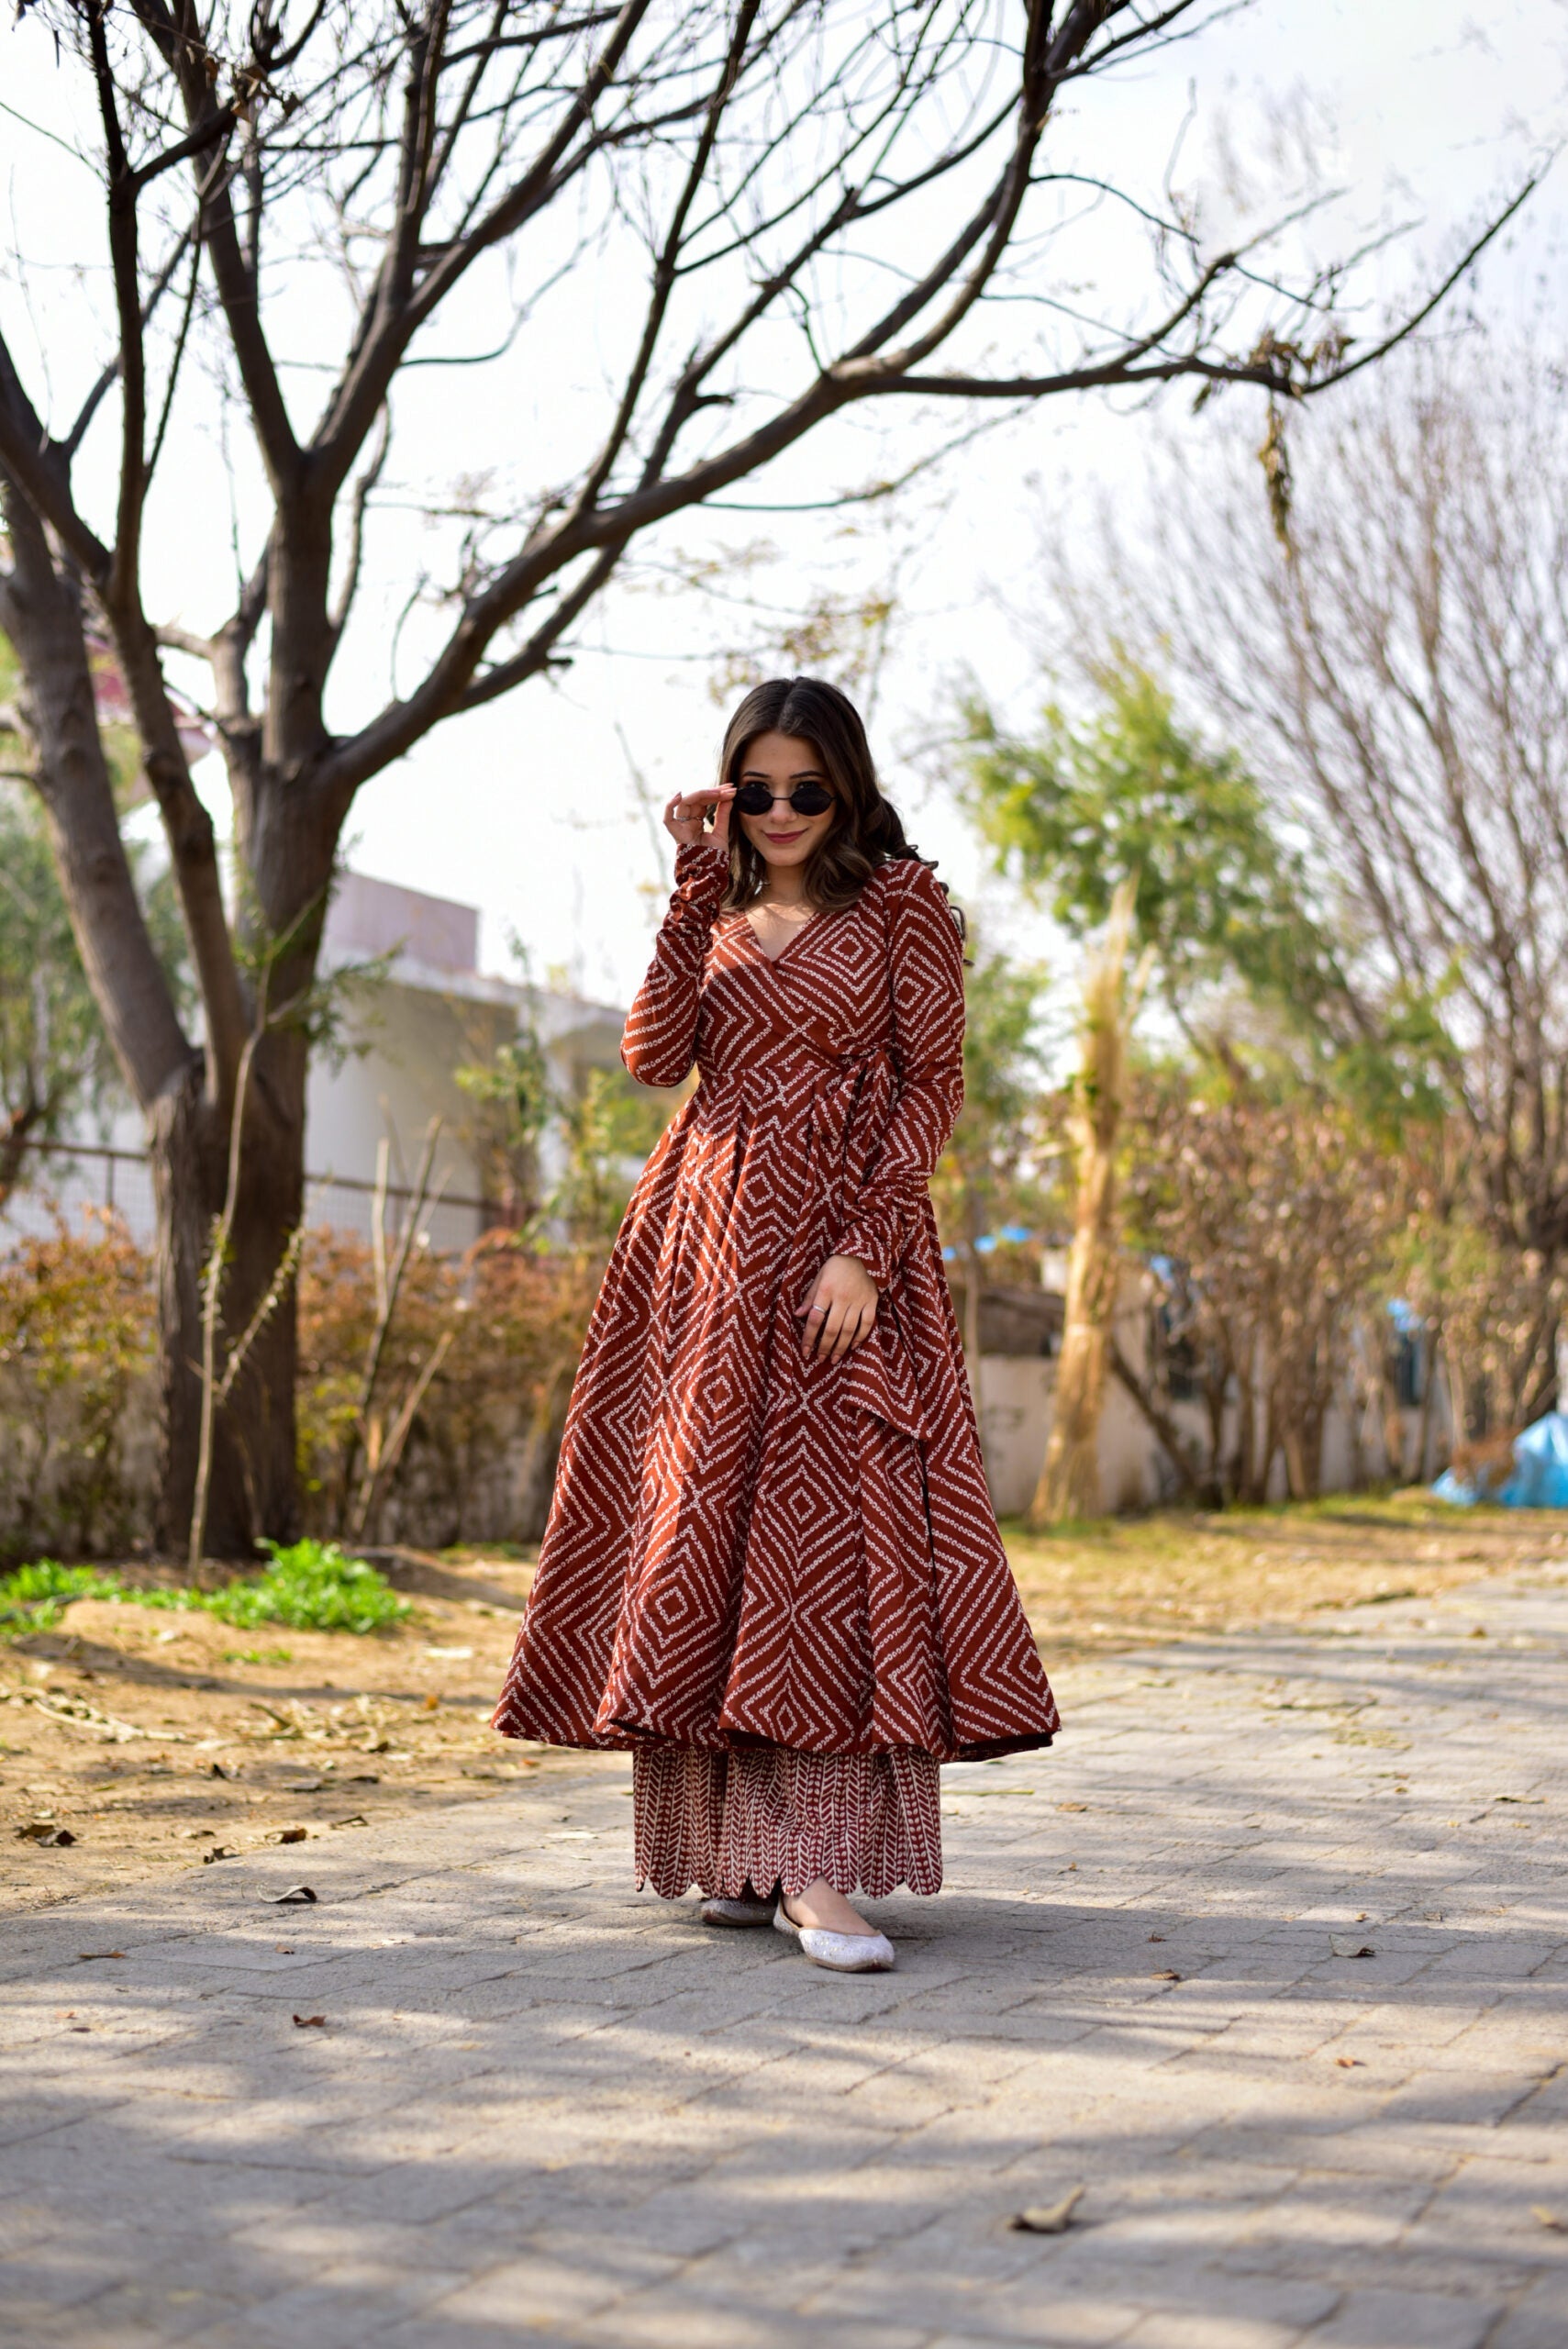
[258, 1655]
[34, 1598]
[310, 1587]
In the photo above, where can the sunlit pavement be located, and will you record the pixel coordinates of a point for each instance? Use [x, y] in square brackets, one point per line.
[543, 2108]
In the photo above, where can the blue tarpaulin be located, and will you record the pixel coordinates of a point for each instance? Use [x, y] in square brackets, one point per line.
[1540, 1475]
[1541, 1466]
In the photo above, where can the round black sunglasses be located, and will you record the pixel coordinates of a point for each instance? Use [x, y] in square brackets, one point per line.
[806, 799]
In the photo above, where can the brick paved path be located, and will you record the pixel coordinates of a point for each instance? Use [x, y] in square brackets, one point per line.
[542, 2109]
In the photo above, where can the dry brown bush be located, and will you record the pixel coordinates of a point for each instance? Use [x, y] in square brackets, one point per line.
[482, 1451]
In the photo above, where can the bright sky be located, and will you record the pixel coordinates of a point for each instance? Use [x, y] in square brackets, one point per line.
[1423, 108]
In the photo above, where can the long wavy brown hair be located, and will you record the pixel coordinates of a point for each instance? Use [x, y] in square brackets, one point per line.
[867, 830]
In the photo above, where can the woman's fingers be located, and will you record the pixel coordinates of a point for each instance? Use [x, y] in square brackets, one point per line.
[854, 1330]
[719, 836]
[841, 1311]
[685, 810]
[821, 1323]
[833, 1334]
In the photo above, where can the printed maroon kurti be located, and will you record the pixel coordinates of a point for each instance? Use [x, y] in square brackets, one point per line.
[747, 1547]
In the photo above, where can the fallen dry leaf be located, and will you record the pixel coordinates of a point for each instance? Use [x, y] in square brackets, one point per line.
[1167, 1974]
[1071, 1805]
[310, 2022]
[219, 1851]
[432, 1703]
[354, 1819]
[1548, 2217]
[1048, 2218]
[46, 1834]
[1156, 1937]
[288, 1835]
[297, 1895]
[283, 1949]
[1348, 2062]
[1350, 1945]
[91, 1956]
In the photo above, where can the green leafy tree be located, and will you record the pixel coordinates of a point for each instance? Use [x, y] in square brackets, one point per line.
[989, 1174]
[1224, 900]
[1076, 808]
[608, 1125]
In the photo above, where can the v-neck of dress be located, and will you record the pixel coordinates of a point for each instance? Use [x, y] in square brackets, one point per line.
[790, 943]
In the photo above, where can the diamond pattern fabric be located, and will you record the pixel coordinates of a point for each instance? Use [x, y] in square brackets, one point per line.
[747, 1547]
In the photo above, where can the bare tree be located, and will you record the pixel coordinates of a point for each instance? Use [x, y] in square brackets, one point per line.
[1268, 1227]
[810, 207]
[1395, 669]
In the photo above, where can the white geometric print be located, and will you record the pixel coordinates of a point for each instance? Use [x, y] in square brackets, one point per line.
[747, 1547]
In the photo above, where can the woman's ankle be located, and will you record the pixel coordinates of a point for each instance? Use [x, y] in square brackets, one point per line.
[819, 1906]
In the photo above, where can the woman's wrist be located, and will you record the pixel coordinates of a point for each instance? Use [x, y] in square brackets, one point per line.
[695, 858]
[846, 1256]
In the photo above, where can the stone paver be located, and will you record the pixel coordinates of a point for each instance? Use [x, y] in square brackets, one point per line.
[543, 2108]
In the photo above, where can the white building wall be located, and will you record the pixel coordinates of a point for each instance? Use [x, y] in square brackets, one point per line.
[1013, 1407]
[409, 1032]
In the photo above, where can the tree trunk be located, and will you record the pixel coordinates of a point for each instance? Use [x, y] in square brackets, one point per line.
[253, 1479]
[1070, 1481]
[253, 1488]
[1248, 1483]
[1303, 1445]
[1198, 1482]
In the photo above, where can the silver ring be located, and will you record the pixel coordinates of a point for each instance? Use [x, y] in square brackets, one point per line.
[820, 1308]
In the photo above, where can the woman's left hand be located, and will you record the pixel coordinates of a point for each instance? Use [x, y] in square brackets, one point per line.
[842, 1309]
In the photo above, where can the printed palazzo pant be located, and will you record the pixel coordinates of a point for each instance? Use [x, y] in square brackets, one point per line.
[767, 1815]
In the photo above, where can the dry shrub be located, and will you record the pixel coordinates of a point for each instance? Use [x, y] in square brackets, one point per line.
[1274, 1221]
[77, 1391]
[481, 1455]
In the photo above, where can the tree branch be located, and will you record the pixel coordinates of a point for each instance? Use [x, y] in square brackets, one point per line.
[362, 489]
[180, 42]
[1176, 1446]
[387, 329]
[40, 472]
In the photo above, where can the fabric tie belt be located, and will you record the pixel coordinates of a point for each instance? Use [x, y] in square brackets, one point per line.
[844, 1109]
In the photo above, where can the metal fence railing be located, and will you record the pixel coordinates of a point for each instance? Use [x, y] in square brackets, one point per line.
[67, 1181]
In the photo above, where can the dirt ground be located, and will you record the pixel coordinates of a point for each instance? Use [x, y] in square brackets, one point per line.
[132, 1739]
[1125, 1581]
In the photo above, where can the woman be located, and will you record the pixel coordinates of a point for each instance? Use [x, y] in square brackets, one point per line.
[772, 1568]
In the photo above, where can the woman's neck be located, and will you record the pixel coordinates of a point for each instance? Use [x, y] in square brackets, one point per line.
[785, 887]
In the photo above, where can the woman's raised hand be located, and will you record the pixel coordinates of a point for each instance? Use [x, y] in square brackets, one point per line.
[842, 1309]
[684, 816]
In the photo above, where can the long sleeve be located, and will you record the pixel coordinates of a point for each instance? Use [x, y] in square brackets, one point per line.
[661, 1038]
[926, 975]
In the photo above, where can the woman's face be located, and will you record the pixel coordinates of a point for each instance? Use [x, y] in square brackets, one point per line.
[781, 761]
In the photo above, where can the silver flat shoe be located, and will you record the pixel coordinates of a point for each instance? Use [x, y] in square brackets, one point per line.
[839, 1952]
[736, 1912]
